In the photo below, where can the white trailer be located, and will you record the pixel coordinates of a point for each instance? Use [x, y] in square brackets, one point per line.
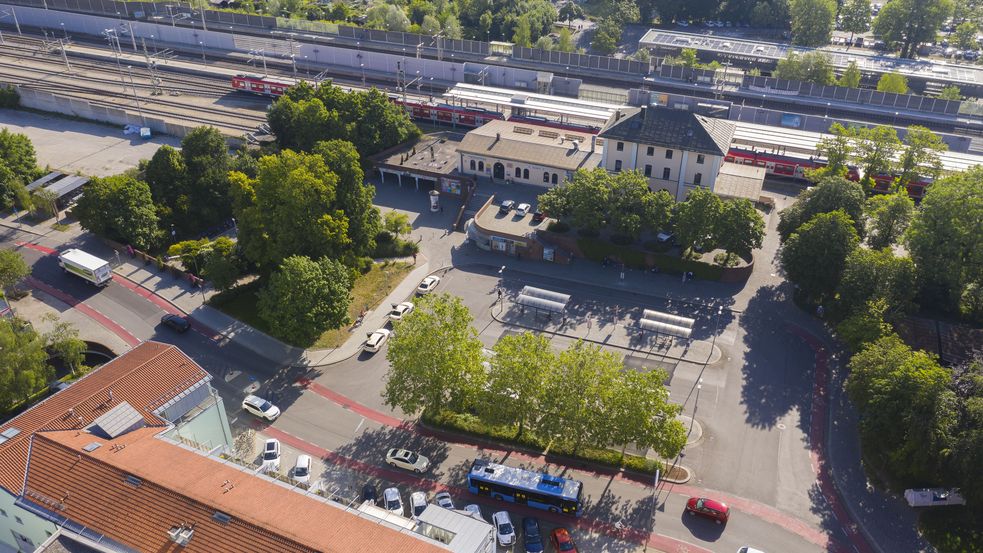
[87, 266]
[933, 497]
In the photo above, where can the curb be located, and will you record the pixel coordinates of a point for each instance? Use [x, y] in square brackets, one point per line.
[21, 229]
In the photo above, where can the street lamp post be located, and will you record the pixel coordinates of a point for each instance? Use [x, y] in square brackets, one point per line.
[202, 45]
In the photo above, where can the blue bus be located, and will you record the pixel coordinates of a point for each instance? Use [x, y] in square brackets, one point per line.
[525, 487]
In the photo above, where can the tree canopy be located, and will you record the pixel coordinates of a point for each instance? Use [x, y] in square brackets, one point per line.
[871, 275]
[13, 269]
[18, 165]
[304, 298]
[697, 218]
[740, 228]
[812, 21]
[907, 23]
[831, 193]
[888, 216]
[814, 67]
[893, 82]
[119, 208]
[814, 256]
[855, 18]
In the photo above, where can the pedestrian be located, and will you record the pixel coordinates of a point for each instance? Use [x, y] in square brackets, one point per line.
[129, 250]
[414, 258]
[441, 209]
[499, 294]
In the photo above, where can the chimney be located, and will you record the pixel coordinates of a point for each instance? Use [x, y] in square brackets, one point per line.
[617, 116]
[643, 112]
[593, 142]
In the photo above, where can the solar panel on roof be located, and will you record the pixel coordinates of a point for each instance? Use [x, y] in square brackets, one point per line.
[10, 432]
[118, 420]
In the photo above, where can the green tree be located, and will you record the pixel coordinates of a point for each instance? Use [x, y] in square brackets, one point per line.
[657, 211]
[837, 149]
[851, 76]
[907, 411]
[965, 35]
[814, 256]
[44, 202]
[855, 18]
[697, 218]
[418, 9]
[63, 342]
[920, 155]
[17, 154]
[952, 93]
[585, 192]
[565, 41]
[574, 391]
[865, 326]
[627, 192]
[571, 11]
[354, 195]
[517, 377]
[304, 298]
[397, 223]
[893, 82]
[687, 58]
[814, 67]
[119, 208]
[907, 23]
[607, 34]
[637, 411]
[740, 228]
[875, 150]
[830, 194]
[222, 270]
[485, 24]
[13, 269]
[452, 28]
[435, 358]
[167, 178]
[888, 216]
[812, 21]
[430, 25]
[946, 238]
[870, 275]
[523, 33]
[966, 455]
[24, 368]
[387, 17]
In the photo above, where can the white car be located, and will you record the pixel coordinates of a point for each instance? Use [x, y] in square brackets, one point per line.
[523, 209]
[418, 502]
[271, 456]
[444, 500]
[302, 469]
[475, 511]
[400, 310]
[377, 339]
[747, 549]
[504, 530]
[406, 459]
[428, 284]
[392, 502]
[260, 407]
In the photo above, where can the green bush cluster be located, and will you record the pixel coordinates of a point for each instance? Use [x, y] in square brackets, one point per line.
[470, 424]
[9, 97]
[596, 249]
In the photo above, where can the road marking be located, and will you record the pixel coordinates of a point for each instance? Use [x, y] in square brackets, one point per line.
[87, 310]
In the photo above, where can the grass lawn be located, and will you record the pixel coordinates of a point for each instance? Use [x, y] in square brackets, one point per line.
[370, 289]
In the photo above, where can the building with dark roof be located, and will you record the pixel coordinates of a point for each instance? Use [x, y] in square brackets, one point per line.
[677, 150]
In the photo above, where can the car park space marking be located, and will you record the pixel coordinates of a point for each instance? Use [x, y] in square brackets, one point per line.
[747, 506]
[103, 320]
[634, 535]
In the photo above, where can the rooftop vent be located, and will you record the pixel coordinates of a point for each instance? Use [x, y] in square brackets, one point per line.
[549, 134]
[522, 130]
[90, 447]
[181, 535]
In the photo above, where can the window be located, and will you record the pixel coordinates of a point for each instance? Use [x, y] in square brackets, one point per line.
[472, 165]
[481, 166]
[697, 178]
[525, 174]
[518, 173]
[554, 179]
[648, 170]
[700, 158]
[668, 154]
[665, 173]
[546, 177]
[621, 146]
[650, 151]
[617, 165]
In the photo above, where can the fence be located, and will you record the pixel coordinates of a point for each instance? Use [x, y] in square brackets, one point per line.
[854, 95]
[581, 61]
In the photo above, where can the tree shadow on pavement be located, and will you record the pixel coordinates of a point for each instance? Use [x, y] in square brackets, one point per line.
[777, 367]
[370, 447]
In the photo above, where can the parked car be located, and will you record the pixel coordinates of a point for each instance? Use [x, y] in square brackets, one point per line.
[377, 339]
[444, 500]
[261, 408]
[532, 539]
[747, 549]
[176, 322]
[400, 310]
[369, 493]
[710, 508]
[392, 502]
[428, 284]
[418, 502]
[271, 456]
[302, 469]
[406, 459]
[664, 237]
[561, 540]
[475, 511]
[504, 531]
[506, 207]
[683, 24]
[523, 209]
[538, 217]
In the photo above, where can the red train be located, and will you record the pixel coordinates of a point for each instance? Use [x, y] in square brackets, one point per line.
[262, 84]
[788, 166]
[458, 116]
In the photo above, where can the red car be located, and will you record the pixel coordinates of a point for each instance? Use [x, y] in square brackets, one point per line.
[709, 508]
[562, 541]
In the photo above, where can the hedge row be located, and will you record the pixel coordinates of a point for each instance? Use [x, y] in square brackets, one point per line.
[471, 425]
[596, 249]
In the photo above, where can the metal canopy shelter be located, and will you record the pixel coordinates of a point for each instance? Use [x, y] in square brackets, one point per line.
[542, 300]
[666, 323]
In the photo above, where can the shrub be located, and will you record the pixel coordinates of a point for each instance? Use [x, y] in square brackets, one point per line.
[722, 260]
[658, 246]
[396, 247]
[622, 240]
[588, 233]
[558, 227]
[596, 250]
[232, 294]
[953, 529]
[9, 97]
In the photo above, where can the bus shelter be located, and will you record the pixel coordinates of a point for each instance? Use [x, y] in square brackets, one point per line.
[542, 301]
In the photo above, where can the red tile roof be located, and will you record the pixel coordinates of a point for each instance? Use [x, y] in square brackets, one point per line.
[145, 377]
[178, 485]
